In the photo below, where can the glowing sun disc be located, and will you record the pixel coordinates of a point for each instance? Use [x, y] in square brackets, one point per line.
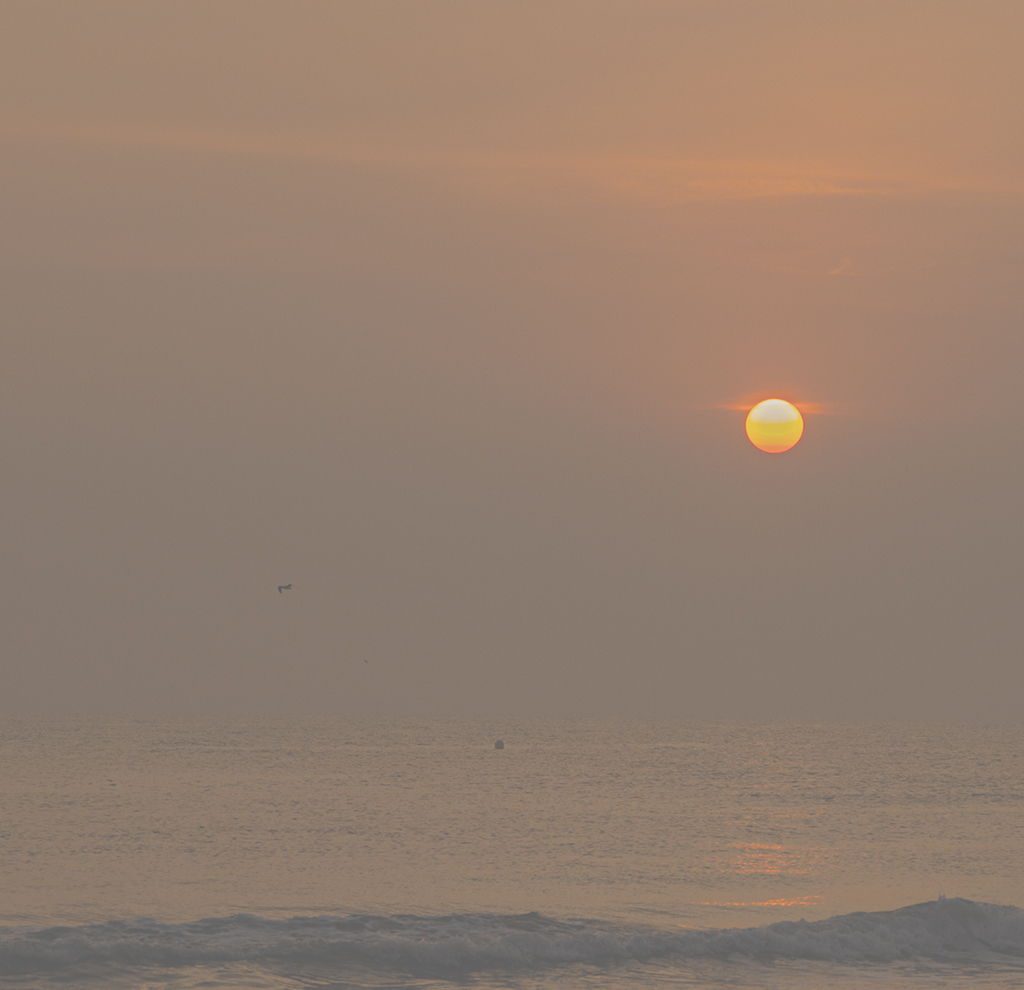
[774, 426]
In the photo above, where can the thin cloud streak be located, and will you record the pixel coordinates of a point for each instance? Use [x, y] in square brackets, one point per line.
[623, 177]
[806, 408]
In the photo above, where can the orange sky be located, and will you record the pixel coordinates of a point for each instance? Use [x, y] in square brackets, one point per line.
[437, 310]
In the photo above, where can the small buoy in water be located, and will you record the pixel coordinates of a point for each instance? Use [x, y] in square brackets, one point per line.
[499, 745]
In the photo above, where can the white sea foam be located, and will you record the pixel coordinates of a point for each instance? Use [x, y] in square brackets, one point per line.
[952, 930]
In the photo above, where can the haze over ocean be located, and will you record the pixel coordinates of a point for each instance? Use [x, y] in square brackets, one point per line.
[449, 315]
[373, 379]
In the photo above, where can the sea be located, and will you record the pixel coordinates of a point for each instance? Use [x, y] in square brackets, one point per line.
[604, 854]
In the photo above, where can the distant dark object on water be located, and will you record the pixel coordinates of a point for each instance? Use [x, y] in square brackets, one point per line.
[283, 587]
[499, 745]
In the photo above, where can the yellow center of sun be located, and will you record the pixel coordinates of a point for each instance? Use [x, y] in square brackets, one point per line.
[774, 425]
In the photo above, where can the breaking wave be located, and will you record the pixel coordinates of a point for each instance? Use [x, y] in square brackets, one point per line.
[950, 930]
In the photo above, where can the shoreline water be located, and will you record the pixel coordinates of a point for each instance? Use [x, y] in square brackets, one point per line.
[666, 832]
[956, 934]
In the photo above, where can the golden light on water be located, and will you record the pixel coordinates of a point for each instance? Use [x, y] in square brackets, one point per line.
[811, 900]
[774, 426]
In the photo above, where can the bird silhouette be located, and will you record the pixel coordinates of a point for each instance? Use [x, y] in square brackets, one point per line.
[283, 587]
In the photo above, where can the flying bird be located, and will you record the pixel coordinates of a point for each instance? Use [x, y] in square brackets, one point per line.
[283, 587]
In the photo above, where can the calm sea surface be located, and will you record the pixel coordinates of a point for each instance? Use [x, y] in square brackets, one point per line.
[318, 853]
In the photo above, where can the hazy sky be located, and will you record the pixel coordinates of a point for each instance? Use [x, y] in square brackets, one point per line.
[435, 310]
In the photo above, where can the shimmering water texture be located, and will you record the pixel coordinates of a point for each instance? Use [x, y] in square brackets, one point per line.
[308, 853]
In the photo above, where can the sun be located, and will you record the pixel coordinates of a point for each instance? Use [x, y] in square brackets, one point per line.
[774, 426]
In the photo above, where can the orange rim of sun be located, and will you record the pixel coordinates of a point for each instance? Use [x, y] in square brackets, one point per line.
[774, 426]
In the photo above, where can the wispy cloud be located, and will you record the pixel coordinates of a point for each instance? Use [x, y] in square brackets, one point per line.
[619, 175]
[806, 408]
[845, 267]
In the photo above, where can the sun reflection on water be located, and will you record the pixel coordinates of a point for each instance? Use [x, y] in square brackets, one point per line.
[772, 858]
[808, 901]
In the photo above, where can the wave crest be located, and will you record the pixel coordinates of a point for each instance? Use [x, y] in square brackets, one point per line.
[950, 930]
